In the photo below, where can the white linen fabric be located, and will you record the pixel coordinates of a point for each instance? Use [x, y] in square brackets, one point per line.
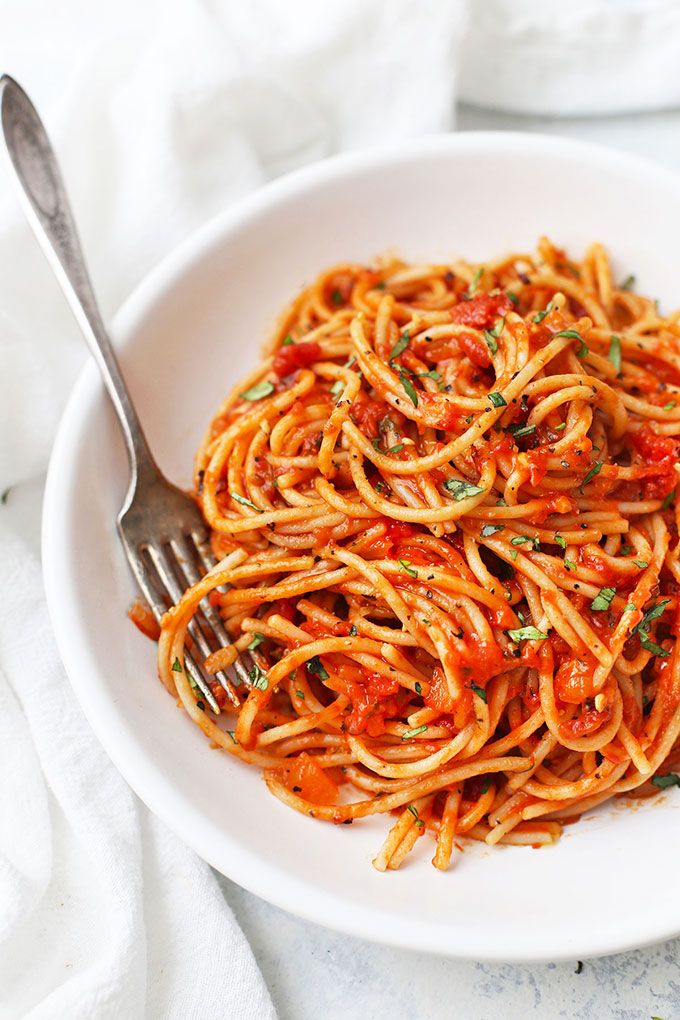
[162, 114]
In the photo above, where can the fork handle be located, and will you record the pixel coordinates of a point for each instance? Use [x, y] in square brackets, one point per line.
[48, 211]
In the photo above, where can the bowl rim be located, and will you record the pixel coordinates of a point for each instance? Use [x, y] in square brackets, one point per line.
[212, 843]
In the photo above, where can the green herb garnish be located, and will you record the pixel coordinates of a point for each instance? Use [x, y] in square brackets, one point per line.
[315, 665]
[406, 565]
[498, 400]
[245, 502]
[479, 691]
[258, 391]
[526, 634]
[642, 628]
[595, 470]
[603, 600]
[176, 666]
[462, 490]
[407, 734]
[540, 316]
[491, 529]
[257, 640]
[258, 679]
[409, 388]
[614, 354]
[664, 781]
[400, 346]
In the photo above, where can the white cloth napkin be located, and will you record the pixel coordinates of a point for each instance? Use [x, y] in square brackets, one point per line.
[162, 114]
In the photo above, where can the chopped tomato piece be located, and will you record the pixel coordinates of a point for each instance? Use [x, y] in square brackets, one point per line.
[481, 310]
[574, 681]
[293, 356]
[302, 775]
[144, 620]
[366, 413]
[475, 348]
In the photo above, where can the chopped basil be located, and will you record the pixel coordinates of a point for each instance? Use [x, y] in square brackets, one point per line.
[287, 341]
[526, 634]
[396, 449]
[518, 430]
[406, 565]
[258, 391]
[569, 564]
[498, 400]
[400, 346]
[513, 554]
[407, 734]
[257, 640]
[201, 705]
[337, 387]
[258, 679]
[231, 734]
[573, 334]
[629, 607]
[642, 629]
[429, 375]
[479, 691]
[540, 316]
[642, 564]
[409, 388]
[462, 490]
[603, 600]
[628, 283]
[491, 341]
[336, 297]
[668, 500]
[595, 470]
[315, 665]
[375, 443]
[615, 352]
[664, 781]
[353, 631]
[513, 297]
[560, 428]
[245, 502]
[176, 666]
[670, 405]
[559, 540]
[414, 811]
[475, 281]
[300, 695]
[491, 529]
[419, 689]
[350, 362]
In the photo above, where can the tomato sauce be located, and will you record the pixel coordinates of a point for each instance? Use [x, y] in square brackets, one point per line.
[481, 311]
[366, 413]
[293, 356]
[660, 455]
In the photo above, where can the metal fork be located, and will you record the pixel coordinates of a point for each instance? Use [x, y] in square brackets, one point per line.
[165, 538]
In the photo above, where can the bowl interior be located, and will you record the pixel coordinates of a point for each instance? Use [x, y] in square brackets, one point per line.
[186, 337]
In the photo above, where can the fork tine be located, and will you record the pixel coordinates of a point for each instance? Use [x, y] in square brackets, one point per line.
[158, 608]
[208, 561]
[164, 566]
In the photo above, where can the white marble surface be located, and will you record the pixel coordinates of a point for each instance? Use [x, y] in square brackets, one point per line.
[313, 973]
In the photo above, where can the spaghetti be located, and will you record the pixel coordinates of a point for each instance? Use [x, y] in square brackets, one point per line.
[444, 511]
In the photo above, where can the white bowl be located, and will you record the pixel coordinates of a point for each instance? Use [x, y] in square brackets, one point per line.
[186, 335]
